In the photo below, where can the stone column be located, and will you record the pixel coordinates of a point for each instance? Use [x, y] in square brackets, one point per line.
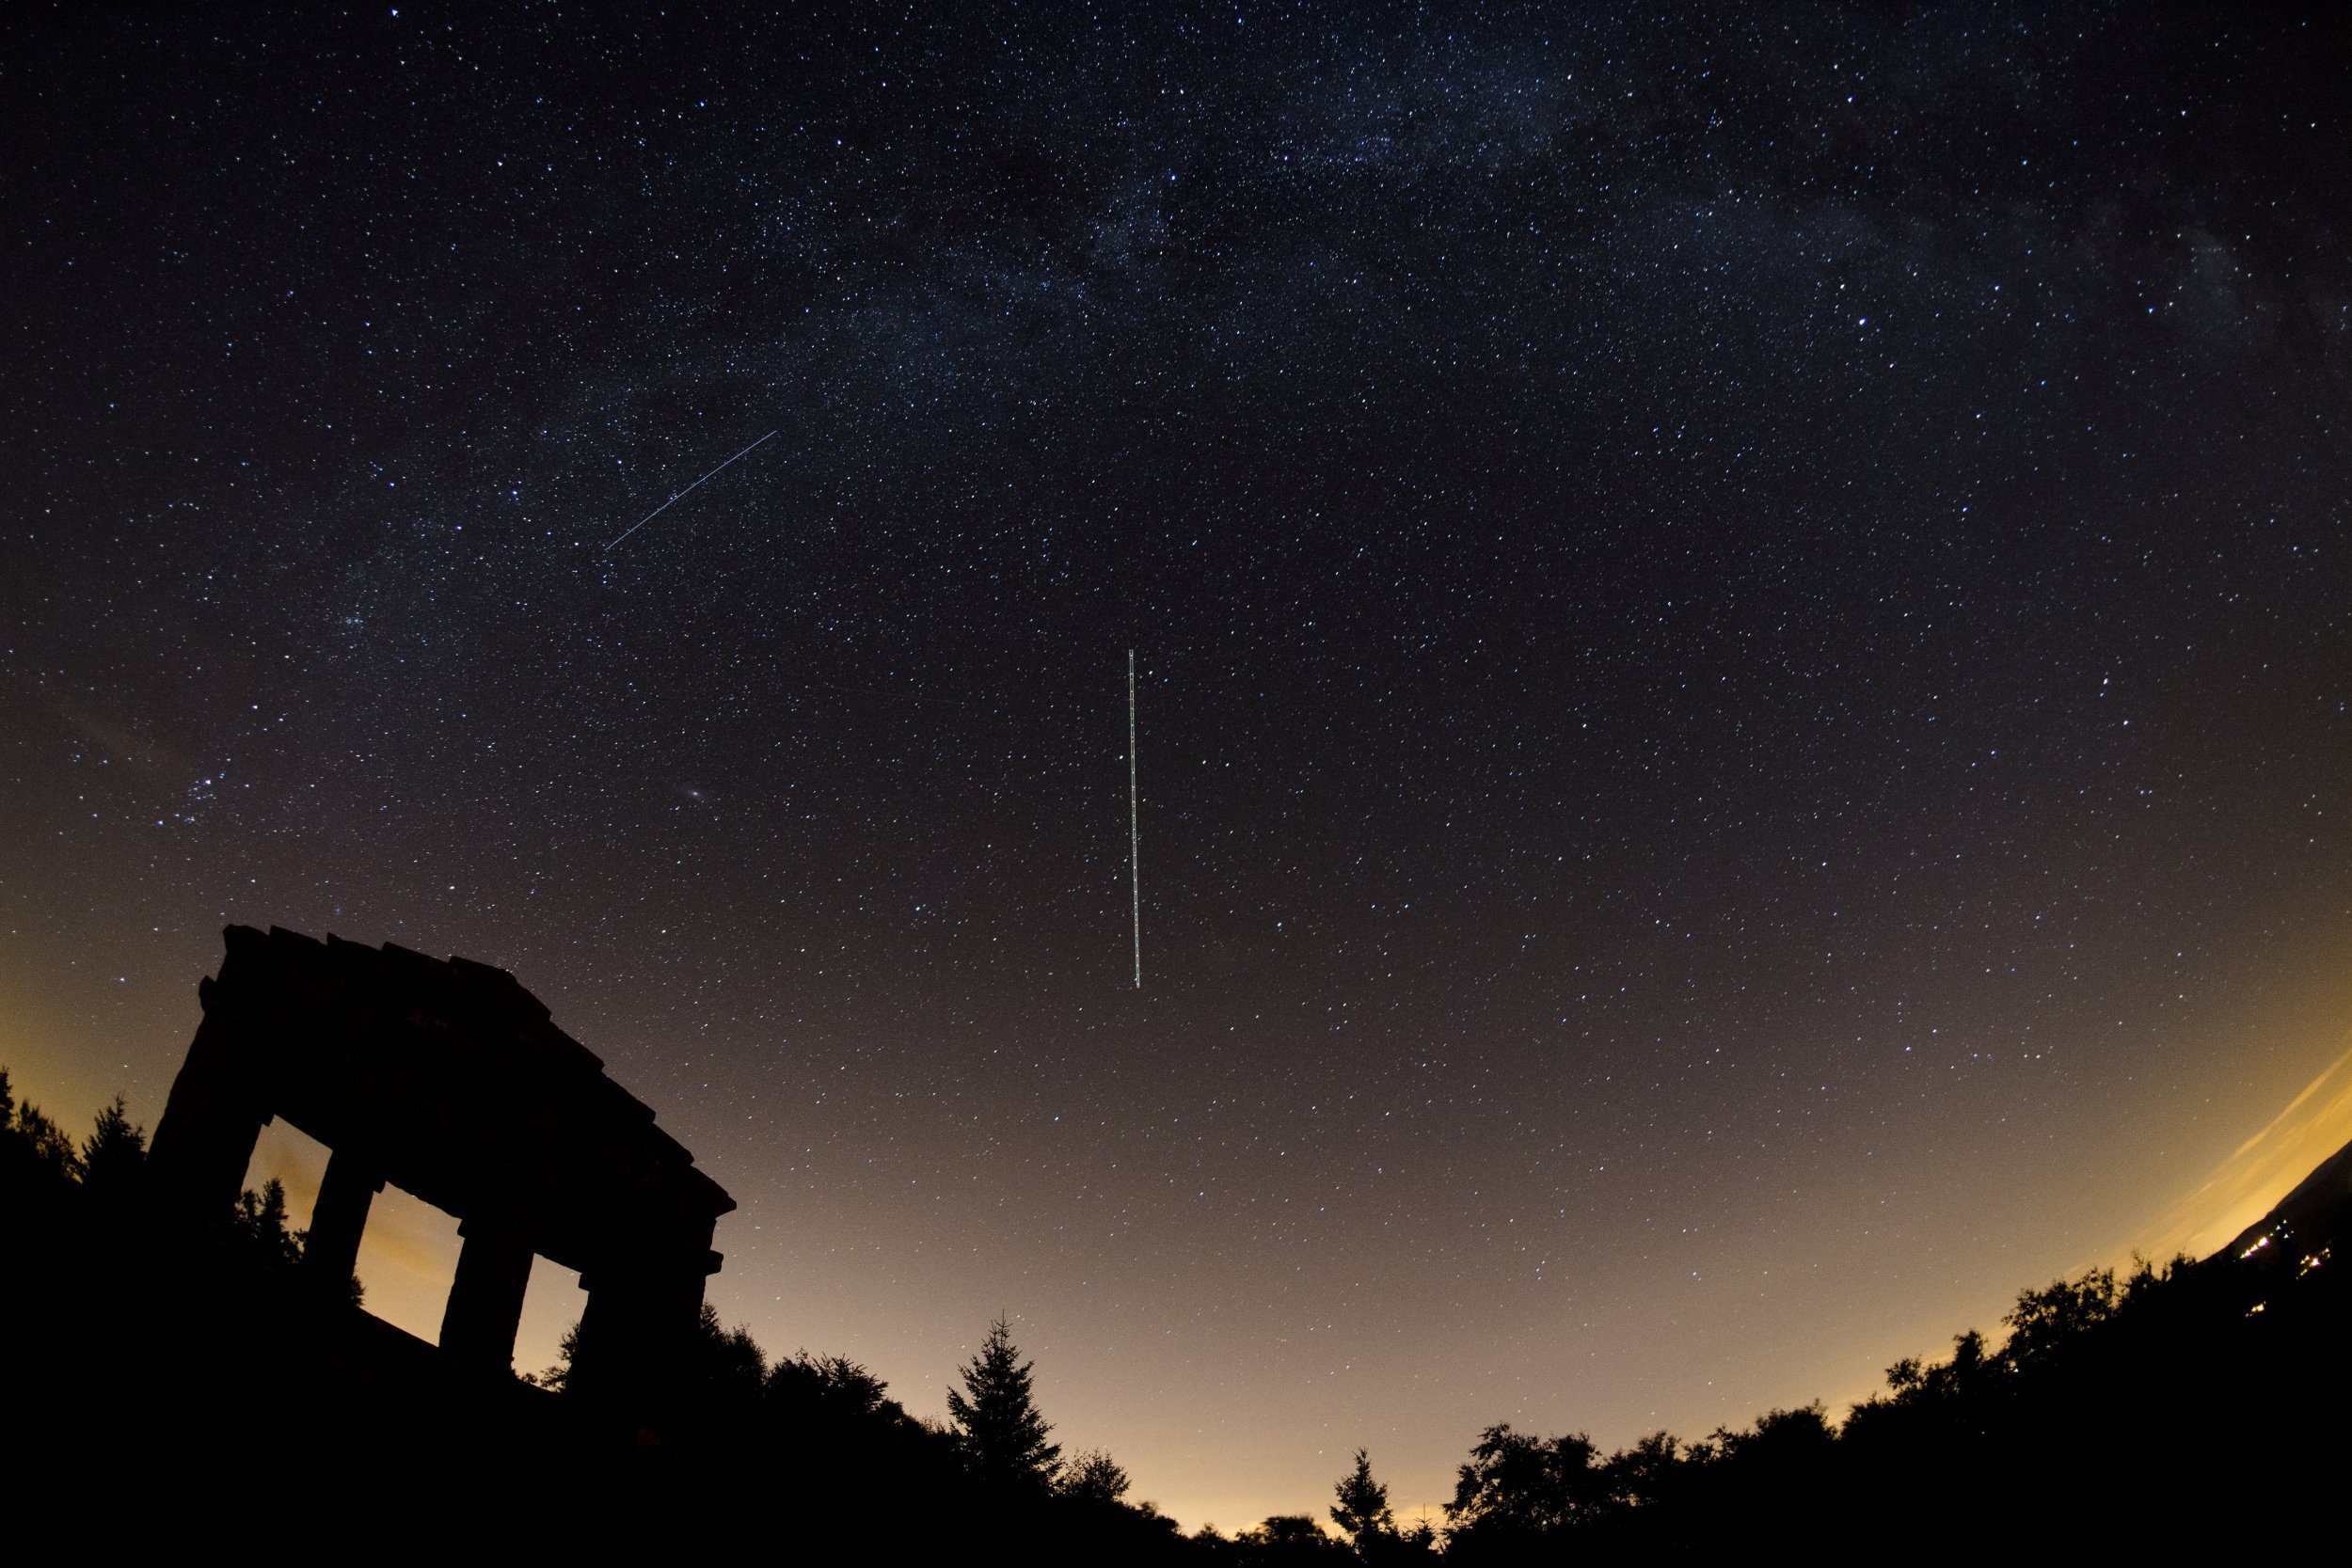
[612, 1363]
[340, 1217]
[637, 1336]
[485, 1302]
[204, 1142]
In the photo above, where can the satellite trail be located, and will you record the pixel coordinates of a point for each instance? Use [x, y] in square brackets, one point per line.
[1134, 873]
[689, 490]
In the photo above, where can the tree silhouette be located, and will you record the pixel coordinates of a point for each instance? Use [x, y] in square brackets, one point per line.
[260, 1220]
[1643, 1475]
[725, 1372]
[113, 1153]
[556, 1377]
[996, 1419]
[2046, 1320]
[1519, 1487]
[1362, 1509]
[1783, 1437]
[1911, 1381]
[1284, 1537]
[34, 1149]
[1094, 1477]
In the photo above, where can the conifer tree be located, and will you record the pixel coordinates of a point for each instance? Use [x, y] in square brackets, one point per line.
[259, 1218]
[113, 1152]
[1362, 1510]
[997, 1416]
[33, 1150]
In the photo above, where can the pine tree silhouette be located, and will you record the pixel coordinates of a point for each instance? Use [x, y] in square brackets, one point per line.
[997, 1416]
[115, 1150]
[1362, 1510]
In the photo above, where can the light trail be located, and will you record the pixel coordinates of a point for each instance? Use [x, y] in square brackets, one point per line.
[1134, 872]
[687, 491]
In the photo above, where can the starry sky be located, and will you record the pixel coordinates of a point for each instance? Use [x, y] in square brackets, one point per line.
[1740, 624]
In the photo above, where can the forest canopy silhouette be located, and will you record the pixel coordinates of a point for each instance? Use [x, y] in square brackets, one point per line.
[178, 1361]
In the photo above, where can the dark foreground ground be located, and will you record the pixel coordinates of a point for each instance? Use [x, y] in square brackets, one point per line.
[168, 1381]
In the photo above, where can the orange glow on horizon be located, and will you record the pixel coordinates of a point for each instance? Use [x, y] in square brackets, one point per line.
[2260, 1171]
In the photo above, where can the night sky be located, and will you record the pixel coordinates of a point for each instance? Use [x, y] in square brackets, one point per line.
[1743, 628]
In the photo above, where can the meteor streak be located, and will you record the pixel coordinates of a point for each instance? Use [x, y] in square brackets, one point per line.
[689, 490]
[1134, 873]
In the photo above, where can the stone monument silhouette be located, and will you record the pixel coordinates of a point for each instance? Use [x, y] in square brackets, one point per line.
[450, 1080]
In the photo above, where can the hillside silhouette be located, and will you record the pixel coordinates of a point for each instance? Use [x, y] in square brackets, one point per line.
[176, 1350]
[201, 1376]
